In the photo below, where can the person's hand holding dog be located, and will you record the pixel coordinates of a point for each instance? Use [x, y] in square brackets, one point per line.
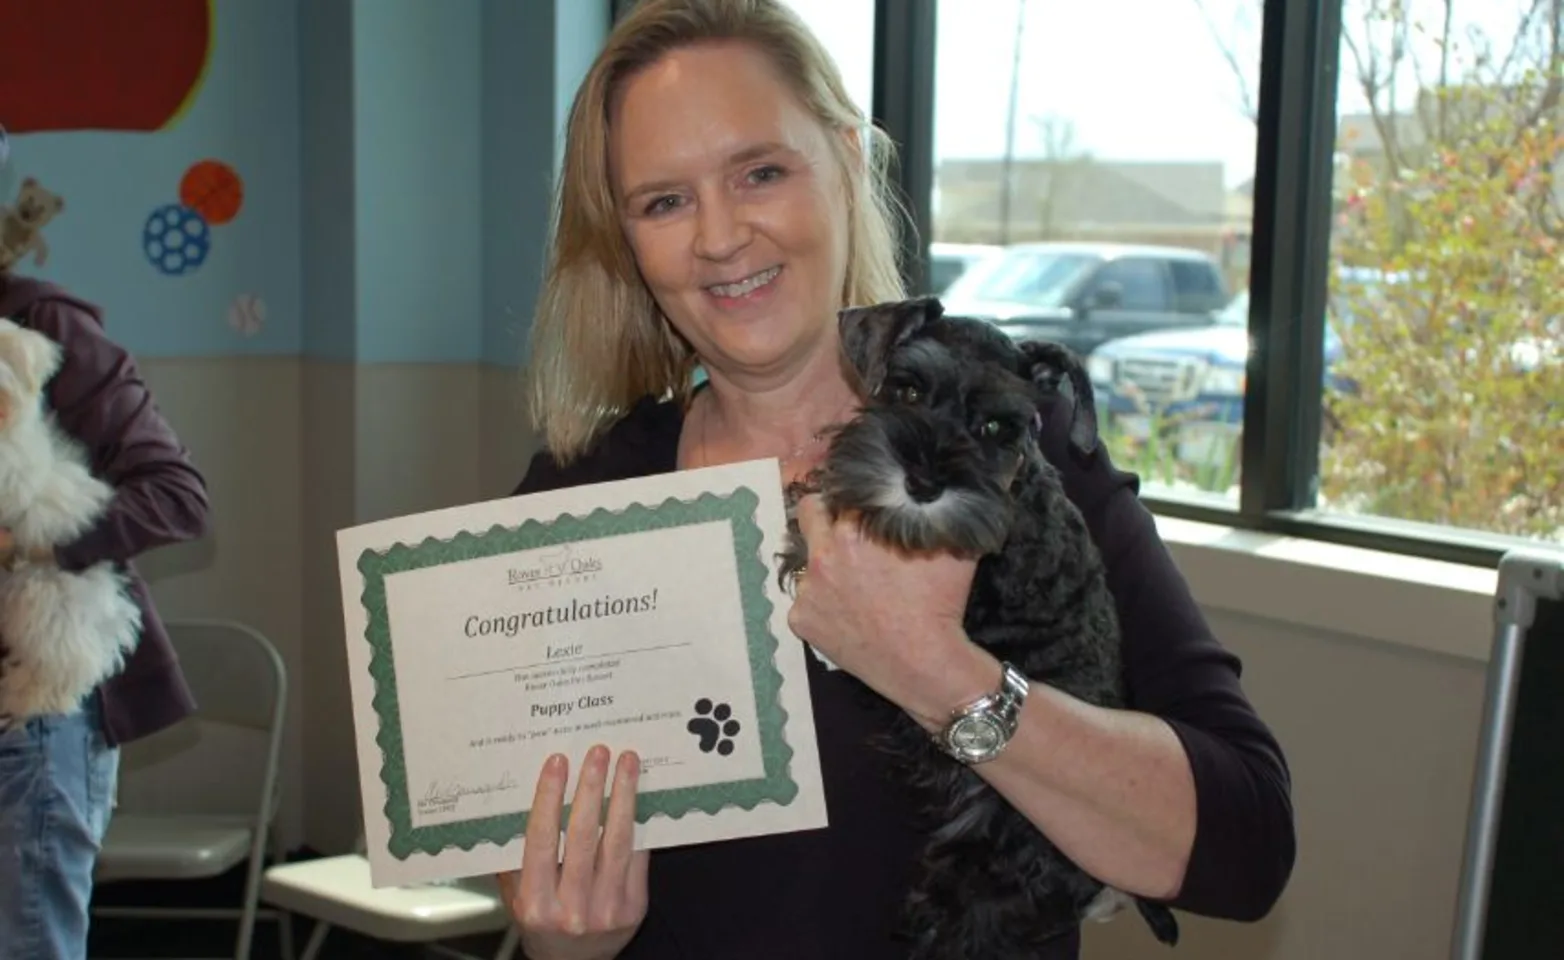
[11, 557]
[589, 906]
[893, 621]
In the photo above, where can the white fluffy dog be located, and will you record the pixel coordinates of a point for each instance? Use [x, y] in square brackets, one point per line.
[61, 633]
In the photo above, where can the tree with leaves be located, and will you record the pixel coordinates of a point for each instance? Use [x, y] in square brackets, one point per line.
[1455, 356]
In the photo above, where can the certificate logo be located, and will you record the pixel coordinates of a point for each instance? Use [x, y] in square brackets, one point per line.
[714, 727]
[566, 564]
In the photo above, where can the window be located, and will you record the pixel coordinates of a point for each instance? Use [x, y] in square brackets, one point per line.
[1046, 144]
[1342, 312]
[1197, 288]
[846, 29]
[1132, 283]
[1028, 277]
[1445, 380]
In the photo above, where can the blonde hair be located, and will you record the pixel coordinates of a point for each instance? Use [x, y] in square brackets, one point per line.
[599, 342]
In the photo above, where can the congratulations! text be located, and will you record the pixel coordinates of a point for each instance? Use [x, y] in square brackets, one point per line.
[511, 624]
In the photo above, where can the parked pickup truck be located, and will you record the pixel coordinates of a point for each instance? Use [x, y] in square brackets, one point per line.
[1191, 382]
[1085, 294]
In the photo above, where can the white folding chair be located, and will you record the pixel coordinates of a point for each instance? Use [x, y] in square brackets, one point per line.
[194, 815]
[336, 892]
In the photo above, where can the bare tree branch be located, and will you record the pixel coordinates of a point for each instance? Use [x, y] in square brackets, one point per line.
[1248, 101]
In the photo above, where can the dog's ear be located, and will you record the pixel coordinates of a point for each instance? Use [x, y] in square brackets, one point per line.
[870, 334]
[1058, 371]
[32, 357]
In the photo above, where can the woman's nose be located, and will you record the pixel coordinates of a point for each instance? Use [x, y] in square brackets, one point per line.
[721, 230]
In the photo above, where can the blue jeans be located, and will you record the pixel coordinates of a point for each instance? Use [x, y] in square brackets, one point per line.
[57, 786]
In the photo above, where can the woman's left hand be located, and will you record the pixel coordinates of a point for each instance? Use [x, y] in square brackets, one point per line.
[892, 620]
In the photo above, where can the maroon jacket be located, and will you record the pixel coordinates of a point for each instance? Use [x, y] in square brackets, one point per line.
[98, 398]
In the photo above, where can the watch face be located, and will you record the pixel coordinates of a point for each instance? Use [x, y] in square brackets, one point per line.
[976, 736]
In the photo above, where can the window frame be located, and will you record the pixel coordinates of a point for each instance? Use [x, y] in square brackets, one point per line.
[1289, 267]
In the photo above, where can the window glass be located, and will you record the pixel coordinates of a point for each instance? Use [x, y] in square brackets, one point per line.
[1140, 283]
[1045, 143]
[846, 29]
[1445, 371]
[1019, 275]
[1195, 288]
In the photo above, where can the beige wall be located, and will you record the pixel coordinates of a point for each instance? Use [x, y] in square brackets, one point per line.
[1369, 667]
[1381, 741]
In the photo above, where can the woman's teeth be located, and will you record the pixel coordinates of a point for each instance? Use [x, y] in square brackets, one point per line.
[746, 286]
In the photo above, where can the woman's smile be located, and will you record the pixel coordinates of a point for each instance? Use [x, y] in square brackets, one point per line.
[746, 291]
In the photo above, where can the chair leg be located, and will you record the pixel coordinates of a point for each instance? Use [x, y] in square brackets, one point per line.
[508, 946]
[317, 939]
[252, 888]
[285, 934]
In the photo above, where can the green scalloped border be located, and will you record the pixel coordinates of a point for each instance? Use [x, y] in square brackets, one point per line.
[738, 508]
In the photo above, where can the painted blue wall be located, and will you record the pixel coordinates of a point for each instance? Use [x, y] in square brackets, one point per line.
[246, 115]
[396, 155]
[534, 57]
[327, 218]
[418, 98]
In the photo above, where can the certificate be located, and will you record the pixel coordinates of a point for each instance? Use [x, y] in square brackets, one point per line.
[640, 614]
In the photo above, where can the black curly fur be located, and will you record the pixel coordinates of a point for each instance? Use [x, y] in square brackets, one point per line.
[944, 456]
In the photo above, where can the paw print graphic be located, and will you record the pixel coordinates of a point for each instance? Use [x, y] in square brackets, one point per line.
[714, 725]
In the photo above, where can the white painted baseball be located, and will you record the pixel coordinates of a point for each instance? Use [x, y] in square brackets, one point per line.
[247, 314]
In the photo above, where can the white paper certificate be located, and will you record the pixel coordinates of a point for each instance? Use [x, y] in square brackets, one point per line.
[640, 614]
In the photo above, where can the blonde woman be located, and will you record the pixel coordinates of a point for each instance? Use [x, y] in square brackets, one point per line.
[721, 200]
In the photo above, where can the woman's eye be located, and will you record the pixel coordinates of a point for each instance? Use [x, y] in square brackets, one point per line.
[766, 174]
[661, 205]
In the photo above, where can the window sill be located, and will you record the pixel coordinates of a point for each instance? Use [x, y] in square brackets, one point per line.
[1428, 605]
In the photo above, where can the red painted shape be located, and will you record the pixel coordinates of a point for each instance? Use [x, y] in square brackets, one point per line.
[212, 189]
[119, 65]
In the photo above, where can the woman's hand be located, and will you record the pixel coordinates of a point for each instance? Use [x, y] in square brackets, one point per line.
[589, 906]
[894, 621]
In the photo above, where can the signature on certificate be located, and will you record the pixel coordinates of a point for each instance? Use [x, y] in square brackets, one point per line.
[444, 797]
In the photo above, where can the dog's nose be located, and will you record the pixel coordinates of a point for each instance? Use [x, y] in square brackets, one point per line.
[921, 488]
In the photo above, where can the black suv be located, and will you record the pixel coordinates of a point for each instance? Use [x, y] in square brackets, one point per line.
[1084, 294]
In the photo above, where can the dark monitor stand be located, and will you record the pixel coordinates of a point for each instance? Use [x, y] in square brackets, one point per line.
[1511, 896]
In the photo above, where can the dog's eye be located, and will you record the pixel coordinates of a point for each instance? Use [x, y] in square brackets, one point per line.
[992, 428]
[908, 394]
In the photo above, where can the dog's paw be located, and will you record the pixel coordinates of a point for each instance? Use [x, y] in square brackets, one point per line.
[714, 726]
[1106, 905]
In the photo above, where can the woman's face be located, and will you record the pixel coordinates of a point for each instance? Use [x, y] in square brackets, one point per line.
[733, 202]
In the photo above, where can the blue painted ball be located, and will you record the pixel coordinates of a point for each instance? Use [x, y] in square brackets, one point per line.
[176, 239]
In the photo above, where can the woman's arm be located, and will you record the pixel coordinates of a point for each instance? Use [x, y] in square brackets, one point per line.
[1112, 789]
[1184, 797]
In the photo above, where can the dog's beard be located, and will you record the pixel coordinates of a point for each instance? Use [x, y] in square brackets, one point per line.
[915, 484]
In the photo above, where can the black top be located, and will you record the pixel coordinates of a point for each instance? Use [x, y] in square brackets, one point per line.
[835, 893]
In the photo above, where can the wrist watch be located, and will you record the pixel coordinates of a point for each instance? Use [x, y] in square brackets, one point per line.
[979, 731]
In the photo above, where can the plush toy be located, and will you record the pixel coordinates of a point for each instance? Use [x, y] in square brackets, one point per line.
[21, 225]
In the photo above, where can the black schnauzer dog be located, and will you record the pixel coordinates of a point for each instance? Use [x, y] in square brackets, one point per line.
[943, 456]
